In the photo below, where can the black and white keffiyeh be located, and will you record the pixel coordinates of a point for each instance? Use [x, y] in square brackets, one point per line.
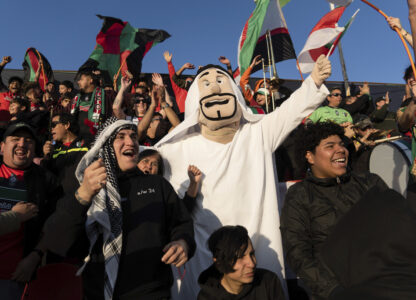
[104, 215]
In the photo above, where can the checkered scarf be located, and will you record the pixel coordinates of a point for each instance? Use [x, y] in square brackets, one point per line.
[104, 215]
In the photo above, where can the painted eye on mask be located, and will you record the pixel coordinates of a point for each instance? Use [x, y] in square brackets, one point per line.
[206, 83]
[220, 80]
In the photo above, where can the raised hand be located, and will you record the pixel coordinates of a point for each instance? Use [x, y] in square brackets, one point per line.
[6, 60]
[224, 60]
[256, 60]
[188, 66]
[95, 178]
[194, 174]
[387, 98]
[125, 83]
[394, 22]
[321, 70]
[157, 79]
[167, 56]
[365, 89]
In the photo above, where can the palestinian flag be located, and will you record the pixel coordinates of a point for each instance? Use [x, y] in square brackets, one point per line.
[324, 33]
[119, 44]
[267, 16]
[31, 66]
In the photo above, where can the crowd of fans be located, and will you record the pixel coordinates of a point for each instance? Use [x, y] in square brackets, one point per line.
[50, 178]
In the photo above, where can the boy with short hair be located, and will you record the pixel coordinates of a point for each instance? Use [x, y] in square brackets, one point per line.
[234, 275]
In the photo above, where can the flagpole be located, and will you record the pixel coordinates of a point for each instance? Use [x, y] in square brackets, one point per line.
[118, 72]
[264, 83]
[272, 67]
[342, 61]
[399, 33]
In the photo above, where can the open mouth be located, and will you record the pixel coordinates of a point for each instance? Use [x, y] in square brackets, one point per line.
[216, 102]
[342, 162]
[129, 153]
[20, 154]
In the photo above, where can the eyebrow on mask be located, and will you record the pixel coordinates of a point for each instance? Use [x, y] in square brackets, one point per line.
[206, 73]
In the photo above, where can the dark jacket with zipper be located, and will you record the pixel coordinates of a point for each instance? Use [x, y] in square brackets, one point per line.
[43, 190]
[63, 162]
[153, 216]
[265, 286]
[311, 210]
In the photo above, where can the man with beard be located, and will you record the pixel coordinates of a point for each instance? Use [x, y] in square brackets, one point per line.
[234, 149]
[135, 223]
[92, 106]
[23, 181]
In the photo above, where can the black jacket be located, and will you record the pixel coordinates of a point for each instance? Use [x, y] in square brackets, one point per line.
[363, 105]
[311, 209]
[372, 250]
[153, 216]
[265, 286]
[63, 162]
[43, 190]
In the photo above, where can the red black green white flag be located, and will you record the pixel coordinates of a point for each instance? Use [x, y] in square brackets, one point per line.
[119, 44]
[31, 65]
[267, 16]
[323, 34]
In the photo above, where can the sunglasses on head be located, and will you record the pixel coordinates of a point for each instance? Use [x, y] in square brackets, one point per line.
[335, 94]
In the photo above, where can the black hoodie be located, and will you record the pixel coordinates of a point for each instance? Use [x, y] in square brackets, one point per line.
[265, 285]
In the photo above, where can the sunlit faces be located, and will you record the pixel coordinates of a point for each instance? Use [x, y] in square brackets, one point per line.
[59, 131]
[330, 158]
[149, 164]
[18, 149]
[244, 269]
[126, 149]
[411, 82]
[14, 108]
[63, 89]
[380, 104]
[65, 102]
[85, 82]
[14, 86]
[261, 99]
[140, 103]
[50, 87]
[33, 94]
[334, 98]
[217, 99]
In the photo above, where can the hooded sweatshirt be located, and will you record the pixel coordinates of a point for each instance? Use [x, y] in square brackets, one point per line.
[266, 285]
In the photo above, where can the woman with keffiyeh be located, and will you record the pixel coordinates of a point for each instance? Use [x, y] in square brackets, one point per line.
[135, 223]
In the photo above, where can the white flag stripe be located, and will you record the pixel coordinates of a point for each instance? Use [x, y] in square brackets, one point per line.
[316, 40]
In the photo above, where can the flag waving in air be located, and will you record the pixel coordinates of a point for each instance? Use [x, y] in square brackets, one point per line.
[31, 65]
[267, 16]
[121, 45]
[324, 33]
[331, 46]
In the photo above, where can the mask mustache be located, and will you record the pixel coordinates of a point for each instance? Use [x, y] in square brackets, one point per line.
[216, 94]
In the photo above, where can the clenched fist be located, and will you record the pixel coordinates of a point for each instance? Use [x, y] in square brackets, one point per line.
[321, 71]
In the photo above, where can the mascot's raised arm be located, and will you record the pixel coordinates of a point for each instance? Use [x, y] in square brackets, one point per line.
[234, 150]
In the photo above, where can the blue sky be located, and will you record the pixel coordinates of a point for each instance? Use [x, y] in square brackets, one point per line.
[201, 31]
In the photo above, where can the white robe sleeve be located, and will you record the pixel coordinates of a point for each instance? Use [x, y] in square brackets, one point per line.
[277, 125]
